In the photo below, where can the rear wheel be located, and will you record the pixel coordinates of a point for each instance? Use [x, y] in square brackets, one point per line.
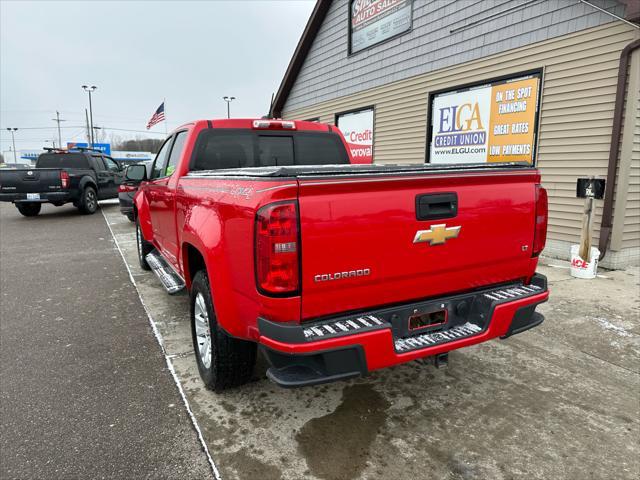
[144, 247]
[88, 201]
[223, 361]
[29, 209]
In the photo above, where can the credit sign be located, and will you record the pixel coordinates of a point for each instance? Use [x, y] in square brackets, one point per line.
[357, 128]
[490, 123]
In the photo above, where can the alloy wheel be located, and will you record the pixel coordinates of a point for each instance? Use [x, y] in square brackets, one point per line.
[203, 331]
[139, 240]
[91, 200]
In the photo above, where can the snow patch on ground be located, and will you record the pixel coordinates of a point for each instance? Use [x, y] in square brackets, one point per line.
[607, 325]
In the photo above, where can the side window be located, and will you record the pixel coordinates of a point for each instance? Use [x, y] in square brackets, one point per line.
[98, 163]
[111, 165]
[313, 149]
[160, 162]
[224, 149]
[275, 151]
[176, 153]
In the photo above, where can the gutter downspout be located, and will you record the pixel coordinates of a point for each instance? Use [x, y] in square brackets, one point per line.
[614, 148]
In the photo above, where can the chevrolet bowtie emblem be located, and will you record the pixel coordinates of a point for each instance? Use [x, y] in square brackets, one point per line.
[437, 234]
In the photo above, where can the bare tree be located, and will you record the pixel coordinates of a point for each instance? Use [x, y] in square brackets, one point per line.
[99, 134]
[136, 145]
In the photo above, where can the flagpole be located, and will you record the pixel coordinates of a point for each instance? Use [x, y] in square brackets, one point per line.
[164, 102]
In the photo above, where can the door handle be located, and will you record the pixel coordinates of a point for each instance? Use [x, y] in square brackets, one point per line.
[435, 206]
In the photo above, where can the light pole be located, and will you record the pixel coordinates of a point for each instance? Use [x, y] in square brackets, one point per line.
[58, 120]
[95, 132]
[89, 90]
[228, 100]
[13, 140]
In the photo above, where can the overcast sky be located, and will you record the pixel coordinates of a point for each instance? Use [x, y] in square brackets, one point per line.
[138, 53]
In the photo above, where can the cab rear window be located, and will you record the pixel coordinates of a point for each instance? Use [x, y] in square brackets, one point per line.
[62, 160]
[223, 149]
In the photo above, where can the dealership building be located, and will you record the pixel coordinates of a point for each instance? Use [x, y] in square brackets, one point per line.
[552, 82]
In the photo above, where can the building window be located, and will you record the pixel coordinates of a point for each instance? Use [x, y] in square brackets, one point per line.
[496, 121]
[357, 128]
[372, 22]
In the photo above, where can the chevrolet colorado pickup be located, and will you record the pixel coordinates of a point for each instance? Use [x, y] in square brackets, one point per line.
[59, 177]
[334, 270]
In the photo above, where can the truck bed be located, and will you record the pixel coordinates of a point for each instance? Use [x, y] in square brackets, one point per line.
[366, 218]
[372, 169]
[30, 180]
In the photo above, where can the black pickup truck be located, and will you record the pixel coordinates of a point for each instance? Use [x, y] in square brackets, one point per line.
[59, 177]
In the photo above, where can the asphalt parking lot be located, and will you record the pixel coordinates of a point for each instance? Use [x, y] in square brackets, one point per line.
[84, 388]
[560, 401]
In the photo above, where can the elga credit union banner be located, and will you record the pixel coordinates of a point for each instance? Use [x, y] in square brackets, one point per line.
[373, 21]
[357, 128]
[494, 123]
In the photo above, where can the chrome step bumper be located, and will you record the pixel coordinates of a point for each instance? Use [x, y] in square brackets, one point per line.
[512, 293]
[350, 325]
[169, 278]
[304, 354]
[430, 339]
[468, 315]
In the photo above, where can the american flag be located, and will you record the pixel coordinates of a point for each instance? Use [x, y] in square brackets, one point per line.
[157, 117]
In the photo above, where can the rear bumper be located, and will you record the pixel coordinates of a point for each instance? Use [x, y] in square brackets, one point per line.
[353, 345]
[45, 197]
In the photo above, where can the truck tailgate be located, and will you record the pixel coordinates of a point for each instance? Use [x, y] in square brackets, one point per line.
[361, 245]
[35, 180]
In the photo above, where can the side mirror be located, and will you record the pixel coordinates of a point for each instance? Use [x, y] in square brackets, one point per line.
[136, 173]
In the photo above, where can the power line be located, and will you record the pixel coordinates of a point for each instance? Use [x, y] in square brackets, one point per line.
[49, 128]
[103, 128]
[128, 130]
[38, 139]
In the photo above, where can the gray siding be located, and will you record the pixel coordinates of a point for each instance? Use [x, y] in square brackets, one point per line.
[576, 114]
[329, 72]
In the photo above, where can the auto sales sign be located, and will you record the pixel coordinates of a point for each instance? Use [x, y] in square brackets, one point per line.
[357, 128]
[373, 21]
[490, 123]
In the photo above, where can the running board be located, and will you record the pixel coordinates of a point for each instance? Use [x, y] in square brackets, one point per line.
[170, 280]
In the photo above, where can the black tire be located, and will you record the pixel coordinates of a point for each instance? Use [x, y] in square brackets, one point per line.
[143, 247]
[231, 361]
[29, 209]
[88, 201]
[131, 217]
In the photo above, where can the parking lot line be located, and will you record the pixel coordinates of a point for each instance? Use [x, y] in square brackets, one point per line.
[84, 390]
[167, 359]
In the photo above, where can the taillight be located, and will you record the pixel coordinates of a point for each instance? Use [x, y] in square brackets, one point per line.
[64, 178]
[542, 213]
[123, 188]
[277, 249]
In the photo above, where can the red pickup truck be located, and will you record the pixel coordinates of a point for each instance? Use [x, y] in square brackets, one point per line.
[334, 269]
